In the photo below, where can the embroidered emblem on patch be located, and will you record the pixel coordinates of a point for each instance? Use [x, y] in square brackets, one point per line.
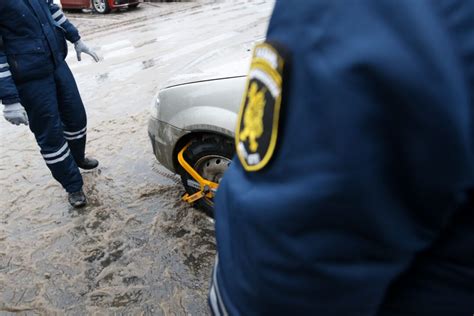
[257, 127]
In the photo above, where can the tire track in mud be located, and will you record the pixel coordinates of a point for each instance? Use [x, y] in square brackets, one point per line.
[102, 29]
[93, 25]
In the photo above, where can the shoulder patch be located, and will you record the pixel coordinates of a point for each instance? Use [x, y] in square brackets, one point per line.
[258, 122]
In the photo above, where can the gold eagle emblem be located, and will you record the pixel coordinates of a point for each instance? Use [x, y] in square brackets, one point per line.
[253, 116]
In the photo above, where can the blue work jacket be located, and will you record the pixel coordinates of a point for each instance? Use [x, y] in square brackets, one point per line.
[365, 206]
[33, 34]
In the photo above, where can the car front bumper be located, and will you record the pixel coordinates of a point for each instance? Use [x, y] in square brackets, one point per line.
[163, 138]
[122, 3]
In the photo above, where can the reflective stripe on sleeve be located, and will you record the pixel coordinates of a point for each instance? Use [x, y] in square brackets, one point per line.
[213, 301]
[57, 14]
[6, 65]
[220, 307]
[63, 19]
[5, 74]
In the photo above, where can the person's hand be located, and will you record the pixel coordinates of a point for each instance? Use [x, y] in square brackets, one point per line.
[15, 114]
[80, 48]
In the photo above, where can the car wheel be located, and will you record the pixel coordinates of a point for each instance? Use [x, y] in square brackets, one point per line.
[210, 156]
[101, 6]
[133, 6]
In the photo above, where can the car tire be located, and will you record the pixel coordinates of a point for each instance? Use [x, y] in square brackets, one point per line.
[210, 156]
[101, 6]
[133, 6]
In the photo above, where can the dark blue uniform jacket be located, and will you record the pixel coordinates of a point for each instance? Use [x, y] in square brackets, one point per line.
[366, 207]
[33, 33]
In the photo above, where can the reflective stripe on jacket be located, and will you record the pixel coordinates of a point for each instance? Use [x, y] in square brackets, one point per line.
[33, 33]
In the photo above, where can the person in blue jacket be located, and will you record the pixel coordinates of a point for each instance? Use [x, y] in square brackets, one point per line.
[38, 88]
[352, 190]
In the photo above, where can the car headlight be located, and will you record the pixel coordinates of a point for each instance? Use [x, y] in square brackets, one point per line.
[155, 107]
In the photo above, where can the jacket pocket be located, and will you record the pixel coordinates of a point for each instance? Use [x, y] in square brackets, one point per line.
[29, 59]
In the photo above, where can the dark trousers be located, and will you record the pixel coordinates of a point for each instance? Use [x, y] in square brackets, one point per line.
[58, 119]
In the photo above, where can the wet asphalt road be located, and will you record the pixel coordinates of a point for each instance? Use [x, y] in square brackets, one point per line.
[136, 249]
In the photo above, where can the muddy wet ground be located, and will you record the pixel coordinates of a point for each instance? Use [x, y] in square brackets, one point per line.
[136, 249]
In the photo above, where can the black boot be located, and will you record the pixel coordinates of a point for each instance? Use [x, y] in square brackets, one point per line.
[88, 163]
[77, 199]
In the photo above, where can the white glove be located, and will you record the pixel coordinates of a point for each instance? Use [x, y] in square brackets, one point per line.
[15, 114]
[80, 48]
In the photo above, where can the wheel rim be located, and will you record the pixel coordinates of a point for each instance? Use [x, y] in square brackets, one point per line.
[212, 168]
[100, 5]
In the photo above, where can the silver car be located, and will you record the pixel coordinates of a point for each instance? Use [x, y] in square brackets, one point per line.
[193, 120]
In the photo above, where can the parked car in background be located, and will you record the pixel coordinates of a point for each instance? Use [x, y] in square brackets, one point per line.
[193, 119]
[100, 6]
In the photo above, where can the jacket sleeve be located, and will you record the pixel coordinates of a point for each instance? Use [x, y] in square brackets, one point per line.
[8, 91]
[385, 112]
[72, 34]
